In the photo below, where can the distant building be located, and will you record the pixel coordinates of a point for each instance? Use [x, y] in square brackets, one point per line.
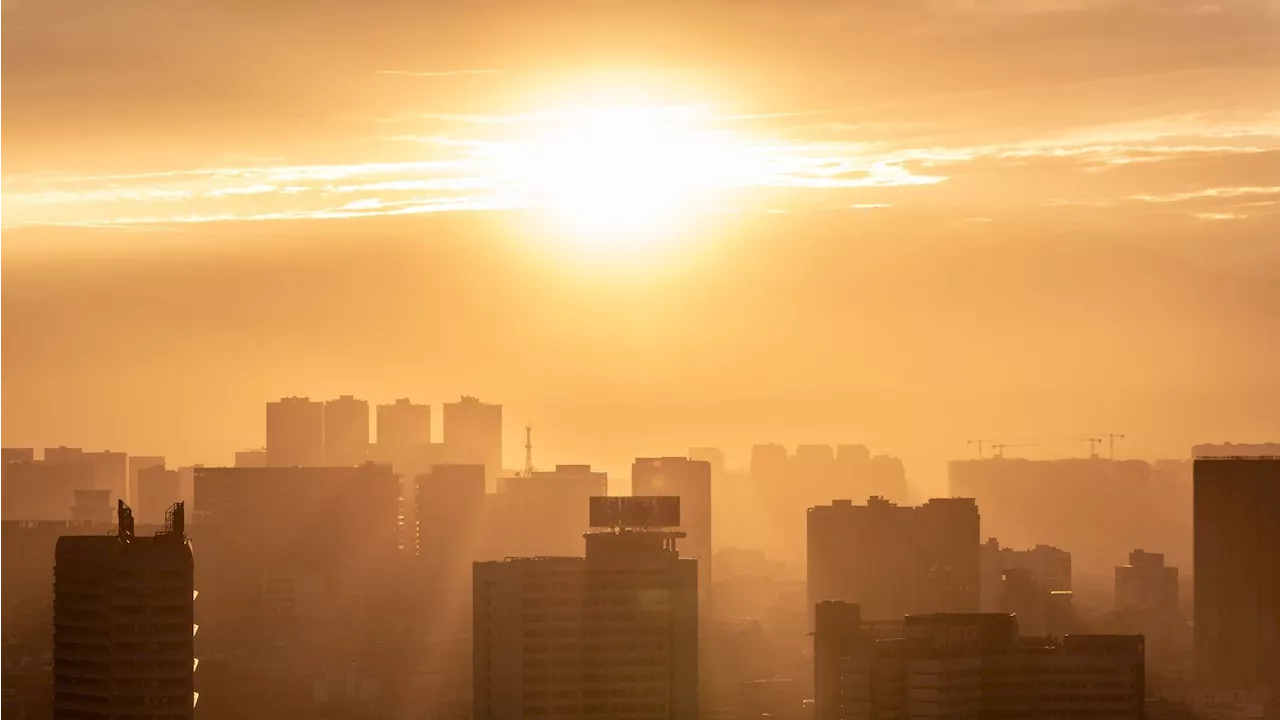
[124, 631]
[63, 454]
[138, 463]
[1028, 502]
[712, 456]
[35, 490]
[158, 490]
[295, 433]
[92, 506]
[8, 455]
[473, 432]
[543, 514]
[251, 458]
[1147, 584]
[769, 462]
[451, 525]
[689, 480]
[1237, 574]
[895, 560]
[346, 432]
[110, 472]
[612, 634]
[318, 541]
[975, 665]
[402, 425]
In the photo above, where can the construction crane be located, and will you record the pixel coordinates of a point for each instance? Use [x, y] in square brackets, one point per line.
[1111, 443]
[980, 442]
[1094, 442]
[1000, 447]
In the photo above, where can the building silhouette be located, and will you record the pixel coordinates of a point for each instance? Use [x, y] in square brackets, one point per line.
[1146, 584]
[41, 490]
[158, 489]
[251, 458]
[689, 480]
[123, 629]
[295, 433]
[1237, 574]
[346, 431]
[473, 432]
[401, 425]
[138, 463]
[612, 634]
[544, 513]
[970, 665]
[895, 560]
[9, 454]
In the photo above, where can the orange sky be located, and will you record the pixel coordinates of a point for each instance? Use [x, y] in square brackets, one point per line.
[944, 219]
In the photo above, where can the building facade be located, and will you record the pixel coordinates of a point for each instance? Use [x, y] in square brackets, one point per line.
[473, 432]
[346, 431]
[895, 560]
[124, 630]
[613, 634]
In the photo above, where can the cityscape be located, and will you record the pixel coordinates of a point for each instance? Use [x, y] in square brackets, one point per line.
[355, 568]
[640, 360]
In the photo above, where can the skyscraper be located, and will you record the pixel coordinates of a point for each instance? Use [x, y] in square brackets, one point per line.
[543, 514]
[1237, 574]
[689, 480]
[612, 634]
[346, 431]
[402, 425]
[295, 433]
[110, 472]
[896, 560]
[123, 631]
[473, 432]
[158, 489]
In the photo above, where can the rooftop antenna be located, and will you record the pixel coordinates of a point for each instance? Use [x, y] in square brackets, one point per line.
[528, 450]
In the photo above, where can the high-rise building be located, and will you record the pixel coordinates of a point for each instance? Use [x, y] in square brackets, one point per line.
[1237, 574]
[401, 425]
[158, 490]
[975, 665]
[543, 513]
[473, 432]
[138, 463]
[714, 456]
[769, 462]
[38, 490]
[895, 560]
[8, 455]
[451, 531]
[110, 472]
[1146, 584]
[295, 433]
[612, 634]
[689, 480]
[123, 630]
[346, 431]
[92, 506]
[63, 454]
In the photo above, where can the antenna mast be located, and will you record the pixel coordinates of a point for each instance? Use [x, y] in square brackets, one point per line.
[528, 450]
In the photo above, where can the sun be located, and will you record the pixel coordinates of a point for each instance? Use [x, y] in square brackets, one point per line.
[623, 176]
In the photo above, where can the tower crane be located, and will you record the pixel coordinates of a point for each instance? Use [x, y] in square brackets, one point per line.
[528, 450]
[999, 448]
[980, 442]
[1111, 443]
[1094, 442]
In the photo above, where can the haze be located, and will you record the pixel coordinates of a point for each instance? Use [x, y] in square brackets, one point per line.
[646, 225]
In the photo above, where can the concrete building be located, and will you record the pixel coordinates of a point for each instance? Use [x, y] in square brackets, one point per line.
[403, 424]
[346, 432]
[158, 490]
[124, 630]
[713, 456]
[895, 560]
[613, 634]
[138, 463]
[251, 458]
[110, 472]
[92, 506]
[295, 433]
[975, 665]
[1237, 574]
[8, 455]
[543, 513]
[451, 530]
[473, 431]
[63, 454]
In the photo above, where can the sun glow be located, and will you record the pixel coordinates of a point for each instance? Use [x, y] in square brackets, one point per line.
[625, 176]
